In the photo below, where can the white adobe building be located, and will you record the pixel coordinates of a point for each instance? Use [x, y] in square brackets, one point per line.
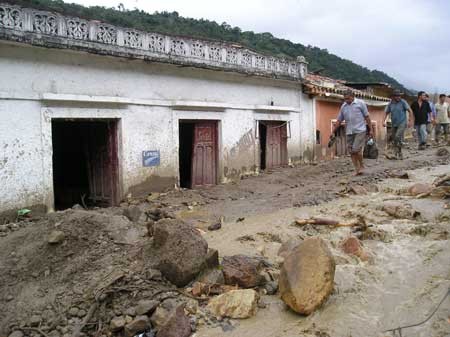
[96, 111]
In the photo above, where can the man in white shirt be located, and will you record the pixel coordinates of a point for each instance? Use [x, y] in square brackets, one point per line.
[356, 116]
[442, 118]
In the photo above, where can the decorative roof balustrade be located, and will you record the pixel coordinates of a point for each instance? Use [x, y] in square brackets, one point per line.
[55, 30]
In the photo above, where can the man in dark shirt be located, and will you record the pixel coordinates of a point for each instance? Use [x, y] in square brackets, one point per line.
[422, 113]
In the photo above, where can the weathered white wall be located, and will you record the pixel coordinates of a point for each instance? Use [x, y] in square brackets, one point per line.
[148, 120]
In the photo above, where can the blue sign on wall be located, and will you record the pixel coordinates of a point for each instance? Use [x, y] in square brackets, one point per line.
[150, 158]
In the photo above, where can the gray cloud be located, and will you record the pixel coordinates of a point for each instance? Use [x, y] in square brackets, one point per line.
[408, 39]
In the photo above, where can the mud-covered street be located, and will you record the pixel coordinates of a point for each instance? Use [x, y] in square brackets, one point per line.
[100, 270]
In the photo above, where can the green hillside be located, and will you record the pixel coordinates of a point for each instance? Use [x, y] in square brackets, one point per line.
[164, 22]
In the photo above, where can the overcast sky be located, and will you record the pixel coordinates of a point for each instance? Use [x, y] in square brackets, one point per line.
[407, 39]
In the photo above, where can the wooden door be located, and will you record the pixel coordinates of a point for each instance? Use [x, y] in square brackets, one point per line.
[204, 154]
[341, 141]
[102, 159]
[276, 144]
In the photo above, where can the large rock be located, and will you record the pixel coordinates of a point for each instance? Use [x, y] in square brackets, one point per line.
[177, 325]
[307, 276]
[419, 188]
[243, 271]
[180, 250]
[234, 304]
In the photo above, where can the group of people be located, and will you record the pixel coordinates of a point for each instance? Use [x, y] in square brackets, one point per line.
[422, 113]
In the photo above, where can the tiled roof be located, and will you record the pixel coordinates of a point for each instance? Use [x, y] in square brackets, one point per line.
[318, 85]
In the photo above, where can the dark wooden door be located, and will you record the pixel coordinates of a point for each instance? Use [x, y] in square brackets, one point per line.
[276, 144]
[204, 154]
[101, 153]
[341, 142]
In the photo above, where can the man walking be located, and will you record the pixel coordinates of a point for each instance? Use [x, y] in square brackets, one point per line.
[430, 124]
[397, 109]
[422, 113]
[442, 119]
[356, 116]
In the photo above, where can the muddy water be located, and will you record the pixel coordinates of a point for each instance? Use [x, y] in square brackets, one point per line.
[402, 283]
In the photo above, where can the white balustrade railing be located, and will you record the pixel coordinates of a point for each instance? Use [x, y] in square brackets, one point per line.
[219, 54]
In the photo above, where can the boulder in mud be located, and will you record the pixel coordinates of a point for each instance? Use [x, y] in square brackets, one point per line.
[307, 276]
[180, 250]
[419, 188]
[234, 304]
[400, 210]
[177, 325]
[242, 270]
[352, 246]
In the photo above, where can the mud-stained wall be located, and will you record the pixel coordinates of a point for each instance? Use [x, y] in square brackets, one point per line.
[147, 99]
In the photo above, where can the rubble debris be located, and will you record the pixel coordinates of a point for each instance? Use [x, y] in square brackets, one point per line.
[271, 287]
[212, 276]
[56, 237]
[440, 192]
[400, 211]
[160, 316]
[180, 250]
[245, 238]
[138, 324]
[357, 190]
[270, 237]
[150, 227]
[419, 189]
[133, 213]
[442, 180]
[207, 289]
[242, 270]
[153, 196]
[307, 276]
[398, 174]
[240, 303]
[176, 325]
[442, 152]
[218, 225]
[117, 323]
[146, 306]
[327, 222]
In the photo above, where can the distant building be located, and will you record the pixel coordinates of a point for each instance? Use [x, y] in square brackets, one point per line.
[327, 96]
[94, 112]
